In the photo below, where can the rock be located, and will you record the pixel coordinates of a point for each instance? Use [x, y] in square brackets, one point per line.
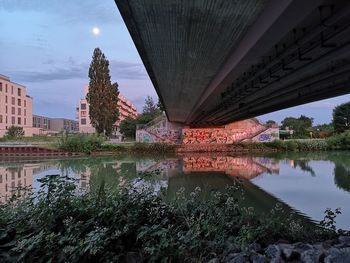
[310, 256]
[302, 246]
[288, 252]
[273, 251]
[277, 260]
[213, 260]
[255, 247]
[257, 258]
[282, 241]
[344, 239]
[239, 258]
[338, 255]
[133, 257]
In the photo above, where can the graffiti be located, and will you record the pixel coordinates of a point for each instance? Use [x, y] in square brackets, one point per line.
[220, 135]
[146, 138]
[265, 137]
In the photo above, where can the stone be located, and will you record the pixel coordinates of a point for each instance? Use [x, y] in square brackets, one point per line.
[239, 258]
[255, 247]
[213, 260]
[257, 258]
[273, 251]
[310, 256]
[288, 252]
[344, 239]
[276, 260]
[338, 255]
[302, 246]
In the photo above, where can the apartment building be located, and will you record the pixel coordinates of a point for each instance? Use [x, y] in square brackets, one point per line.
[64, 125]
[125, 107]
[54, 125]
[15, 107]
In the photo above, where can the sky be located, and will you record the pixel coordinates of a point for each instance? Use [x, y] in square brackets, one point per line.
[47, 46]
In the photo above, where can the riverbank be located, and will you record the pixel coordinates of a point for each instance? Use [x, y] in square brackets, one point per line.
[128, 224]
[96, 146]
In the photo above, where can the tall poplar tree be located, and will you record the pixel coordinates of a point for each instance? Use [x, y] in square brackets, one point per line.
[102, 95]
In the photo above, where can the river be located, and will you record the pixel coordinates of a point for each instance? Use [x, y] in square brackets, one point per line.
[306, 183]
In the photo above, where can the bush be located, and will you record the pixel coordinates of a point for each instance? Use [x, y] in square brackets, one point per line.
[81, 143]
[152, 147]
[339, 141]
[60, 224]
[14, 132]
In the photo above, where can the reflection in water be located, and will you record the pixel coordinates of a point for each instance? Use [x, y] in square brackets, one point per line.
[298, 181]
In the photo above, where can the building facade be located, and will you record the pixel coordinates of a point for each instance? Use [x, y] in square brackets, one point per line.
[16, 107]
[54, 125]
[64, 125]
[125, 107]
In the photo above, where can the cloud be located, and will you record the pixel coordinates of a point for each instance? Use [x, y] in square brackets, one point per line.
[74, 70]
[87, 10]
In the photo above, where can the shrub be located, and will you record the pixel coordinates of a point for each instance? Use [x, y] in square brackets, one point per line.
[339, 141]
[61, 224]
[14, 132]
[80, 143]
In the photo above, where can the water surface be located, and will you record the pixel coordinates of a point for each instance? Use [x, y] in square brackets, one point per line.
[307, 183]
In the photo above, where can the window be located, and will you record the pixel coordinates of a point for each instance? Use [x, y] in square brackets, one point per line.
[19, 120]
[11, 89]
[83, 106]
[83, 113]
[6, 88]
[6, 99]
[0, 86]
[25, 112]
[13, 110]
[0, 118]
[13, 121]
[83, 121]
[19, 102]
[25, 103]
[6, 109]
[25, 121]
[19, 111]
[13, 101]
[19, 92]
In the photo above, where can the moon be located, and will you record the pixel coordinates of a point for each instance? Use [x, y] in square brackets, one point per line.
[96, 31]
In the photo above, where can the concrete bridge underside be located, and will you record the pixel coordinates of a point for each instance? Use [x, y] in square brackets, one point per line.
[217, 61]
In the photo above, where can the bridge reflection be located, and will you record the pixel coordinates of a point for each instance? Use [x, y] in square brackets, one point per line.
[210, 173]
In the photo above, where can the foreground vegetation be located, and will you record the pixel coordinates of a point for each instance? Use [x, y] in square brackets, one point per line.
[61, 224]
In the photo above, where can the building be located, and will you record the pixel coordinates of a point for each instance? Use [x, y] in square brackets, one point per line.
[54, 125]
[125, 107]
[15, 107]
[41, 122]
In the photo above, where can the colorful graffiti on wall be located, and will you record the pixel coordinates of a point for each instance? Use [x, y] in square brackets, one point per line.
[220, 135]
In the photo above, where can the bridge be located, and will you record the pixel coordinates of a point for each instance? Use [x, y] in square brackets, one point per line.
[217, 61]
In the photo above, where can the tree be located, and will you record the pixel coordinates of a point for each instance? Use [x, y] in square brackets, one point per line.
[14, 132]
[160, 105]
[150, 108]
[300, 125]
[128, 127]
[271, 123]
[341, 117]
[102, 96]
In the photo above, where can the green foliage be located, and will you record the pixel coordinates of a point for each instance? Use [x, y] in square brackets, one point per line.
[152, 147]
[128, 127]
[81, 143]
[102, 96]
[339, 141]
[14, 132]
[61, 224]
[341, 117]
[301, 126]
[150, 108]
[271, 123]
